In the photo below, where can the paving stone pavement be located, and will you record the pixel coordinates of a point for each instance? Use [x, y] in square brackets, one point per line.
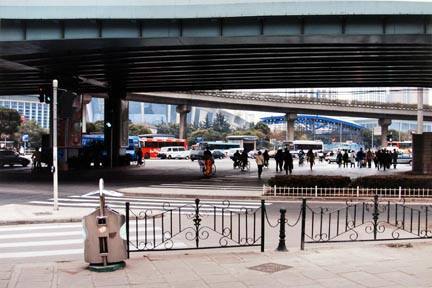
[353, 265]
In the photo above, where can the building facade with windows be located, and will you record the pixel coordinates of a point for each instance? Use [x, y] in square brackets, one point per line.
[29, 107]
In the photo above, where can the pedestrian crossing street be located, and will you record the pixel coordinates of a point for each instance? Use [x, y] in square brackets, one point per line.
[66, 240]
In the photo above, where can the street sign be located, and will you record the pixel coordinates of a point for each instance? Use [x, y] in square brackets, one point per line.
[25, 138]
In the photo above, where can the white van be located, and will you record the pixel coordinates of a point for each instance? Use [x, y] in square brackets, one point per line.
[174, 152]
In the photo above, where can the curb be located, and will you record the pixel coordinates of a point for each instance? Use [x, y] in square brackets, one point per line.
[40, 221]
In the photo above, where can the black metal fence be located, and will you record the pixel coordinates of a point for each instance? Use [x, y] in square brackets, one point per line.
[195, 226]
[359, 221]
[204, 225]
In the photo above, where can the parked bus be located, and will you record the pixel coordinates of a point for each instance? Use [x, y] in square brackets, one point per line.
[151, 146]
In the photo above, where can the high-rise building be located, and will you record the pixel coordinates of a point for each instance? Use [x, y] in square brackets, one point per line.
[29, 107]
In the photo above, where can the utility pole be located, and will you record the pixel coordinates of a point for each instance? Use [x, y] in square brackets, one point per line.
[55, 161]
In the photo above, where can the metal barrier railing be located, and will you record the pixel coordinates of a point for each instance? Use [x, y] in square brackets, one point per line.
[342, 192]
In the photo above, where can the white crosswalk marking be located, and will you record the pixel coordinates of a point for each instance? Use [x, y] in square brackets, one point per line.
[186, 205]
[66, 239]
[60, 239]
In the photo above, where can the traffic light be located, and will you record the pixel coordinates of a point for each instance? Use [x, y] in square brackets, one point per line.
[48, 98]
[389, 137]
[41, 95]
[45, 95]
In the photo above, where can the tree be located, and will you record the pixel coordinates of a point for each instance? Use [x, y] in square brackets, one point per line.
[138, 129]
[168, 128]
[220, 124]
[261, 126]
[206, 124]
[96, 127]
[206, 134]
[34, 131]
[9, 121]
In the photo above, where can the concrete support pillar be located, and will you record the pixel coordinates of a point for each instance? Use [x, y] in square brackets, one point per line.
[420, 110]
[183, 110]
[290, 119]
[384, 123]
[116, 116]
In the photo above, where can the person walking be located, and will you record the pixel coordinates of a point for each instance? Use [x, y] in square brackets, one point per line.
[288, 162]
[360, 157]
[345, 158]
[266, 158]
[279, 160]
[369, 157]
[339, 158]
[259, 159]
[139, 156]
[310, 158]
[394, 158]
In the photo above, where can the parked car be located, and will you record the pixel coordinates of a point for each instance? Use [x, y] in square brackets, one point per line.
[11, 158]
[174, 152]
[404, 159]
[218, 154]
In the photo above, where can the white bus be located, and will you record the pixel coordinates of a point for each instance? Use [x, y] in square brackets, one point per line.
[297, 145]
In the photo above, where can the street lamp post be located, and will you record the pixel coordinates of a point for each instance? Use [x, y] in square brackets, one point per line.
[55, 160]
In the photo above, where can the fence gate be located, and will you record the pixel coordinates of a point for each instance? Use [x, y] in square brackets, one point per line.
[199, 225]
[365, 221]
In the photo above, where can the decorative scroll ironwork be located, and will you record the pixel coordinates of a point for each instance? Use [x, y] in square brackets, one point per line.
[195, 226]
[382, 220]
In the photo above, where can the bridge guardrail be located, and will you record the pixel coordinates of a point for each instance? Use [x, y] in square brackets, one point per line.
[309, 100]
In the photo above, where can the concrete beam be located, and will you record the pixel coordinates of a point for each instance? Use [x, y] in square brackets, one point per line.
[125, 9]
[22, 29]
[258, 104]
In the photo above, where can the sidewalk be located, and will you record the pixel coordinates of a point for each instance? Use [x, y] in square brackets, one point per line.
[355, 265]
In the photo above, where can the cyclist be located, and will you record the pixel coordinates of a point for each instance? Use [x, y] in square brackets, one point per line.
[301, 155]
[244, 160]
[208, 162]
[236, 159]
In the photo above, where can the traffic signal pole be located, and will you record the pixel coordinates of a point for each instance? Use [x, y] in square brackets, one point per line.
[55, 160]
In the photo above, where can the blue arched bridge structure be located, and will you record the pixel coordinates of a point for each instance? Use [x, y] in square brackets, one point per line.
[327, 129]
[320, 121]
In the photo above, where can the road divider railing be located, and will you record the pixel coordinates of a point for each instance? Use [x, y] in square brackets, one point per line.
[345, 192]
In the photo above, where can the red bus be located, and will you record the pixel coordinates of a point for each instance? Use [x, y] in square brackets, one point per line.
[150, 146]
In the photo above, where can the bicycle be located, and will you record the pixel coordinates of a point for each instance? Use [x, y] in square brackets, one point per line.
[203, 169]
[245, 167]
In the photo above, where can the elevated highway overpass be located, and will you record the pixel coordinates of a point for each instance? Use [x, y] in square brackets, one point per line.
[180, 45]
[290, 104]
[120, 47]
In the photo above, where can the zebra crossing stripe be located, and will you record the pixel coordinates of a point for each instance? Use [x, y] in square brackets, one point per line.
[41, 243]
[243, 203]
[153, 204]
[42, 227]
[29, 254]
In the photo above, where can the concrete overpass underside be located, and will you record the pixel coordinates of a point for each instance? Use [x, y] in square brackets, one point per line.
[219, 53]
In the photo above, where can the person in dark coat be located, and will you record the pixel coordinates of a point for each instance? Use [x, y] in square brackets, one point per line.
[266, 158]
[288, 162]
[279, 157]
[339, 158]
[394, 156]
[345, 159]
